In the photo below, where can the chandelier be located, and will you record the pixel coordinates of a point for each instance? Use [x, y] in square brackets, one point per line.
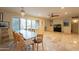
[22, 11]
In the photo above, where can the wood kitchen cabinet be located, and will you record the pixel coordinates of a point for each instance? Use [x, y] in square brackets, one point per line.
[4, 35]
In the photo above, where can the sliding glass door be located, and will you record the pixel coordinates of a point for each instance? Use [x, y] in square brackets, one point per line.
[24, 24]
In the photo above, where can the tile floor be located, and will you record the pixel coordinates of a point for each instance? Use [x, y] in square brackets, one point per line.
[54, 41]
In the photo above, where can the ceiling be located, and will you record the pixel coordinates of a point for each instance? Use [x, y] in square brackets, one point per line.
[45, 11]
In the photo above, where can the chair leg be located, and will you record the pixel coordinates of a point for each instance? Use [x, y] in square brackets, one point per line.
[37, 46]
[17, 48]
[26, 48]
[33, 48]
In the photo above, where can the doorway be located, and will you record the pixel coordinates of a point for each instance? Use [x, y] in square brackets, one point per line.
[74, 27]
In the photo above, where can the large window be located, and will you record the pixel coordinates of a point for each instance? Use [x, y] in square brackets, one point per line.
[28, 24]
[32, 24]
[21, 24]
[16, 23]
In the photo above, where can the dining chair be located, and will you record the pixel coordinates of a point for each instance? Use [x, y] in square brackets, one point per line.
[28, 42]
[38, 40]
[15, 38]
[22, 44]
[17, 41]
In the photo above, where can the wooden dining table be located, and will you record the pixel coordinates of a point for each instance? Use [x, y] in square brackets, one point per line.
[28, 34]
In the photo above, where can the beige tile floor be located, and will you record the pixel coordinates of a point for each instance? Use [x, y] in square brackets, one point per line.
[54, 41]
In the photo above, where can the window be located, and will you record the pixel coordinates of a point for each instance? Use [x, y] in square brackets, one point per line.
[28, 24]
[22, 23]
[16, 23]
[35, 24]
[32, 24]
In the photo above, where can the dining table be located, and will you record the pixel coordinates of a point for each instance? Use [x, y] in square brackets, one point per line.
[28, 34]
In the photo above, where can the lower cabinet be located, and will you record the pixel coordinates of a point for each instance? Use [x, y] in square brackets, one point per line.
[4, 35]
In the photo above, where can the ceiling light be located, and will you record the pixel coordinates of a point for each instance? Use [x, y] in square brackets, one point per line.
[22, 11]
[75, 20]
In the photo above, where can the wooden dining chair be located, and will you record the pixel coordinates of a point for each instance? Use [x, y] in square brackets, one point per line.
[22, 44]
[15, 37]
[38, 40]
[27, 42]
[17, 41]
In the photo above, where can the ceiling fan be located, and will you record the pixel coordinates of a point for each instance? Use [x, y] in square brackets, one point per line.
[53, 15]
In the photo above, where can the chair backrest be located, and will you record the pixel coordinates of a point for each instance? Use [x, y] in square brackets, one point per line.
[15, 35]
[19, 39]
[40, 37]
[18, 36]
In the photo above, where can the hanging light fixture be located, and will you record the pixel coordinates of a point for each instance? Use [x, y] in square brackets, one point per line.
[75, 20]
[22, 11]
